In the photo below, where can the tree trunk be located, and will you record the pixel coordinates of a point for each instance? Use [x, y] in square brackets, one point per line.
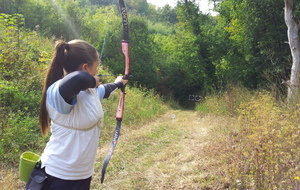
[293, 38]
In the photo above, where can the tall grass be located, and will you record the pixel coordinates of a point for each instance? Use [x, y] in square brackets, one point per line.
[225, 103]
[259, 149]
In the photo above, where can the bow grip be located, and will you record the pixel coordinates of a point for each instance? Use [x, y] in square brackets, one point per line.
[119, 114]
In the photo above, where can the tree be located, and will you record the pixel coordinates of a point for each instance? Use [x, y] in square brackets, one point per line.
[144, 65]
[167, 14]
[186, 67]
[257, 55]
[293, 37]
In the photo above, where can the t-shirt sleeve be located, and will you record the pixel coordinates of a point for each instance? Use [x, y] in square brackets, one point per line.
[101, 92]
[105, 90]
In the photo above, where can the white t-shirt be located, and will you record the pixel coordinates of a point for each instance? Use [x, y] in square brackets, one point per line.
[71, 151]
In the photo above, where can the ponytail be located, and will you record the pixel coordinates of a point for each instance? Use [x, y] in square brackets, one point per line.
[55, 72]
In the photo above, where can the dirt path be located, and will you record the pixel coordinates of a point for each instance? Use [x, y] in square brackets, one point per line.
[164, 154]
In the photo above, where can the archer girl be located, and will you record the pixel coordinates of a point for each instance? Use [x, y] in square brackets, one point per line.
[71, 100]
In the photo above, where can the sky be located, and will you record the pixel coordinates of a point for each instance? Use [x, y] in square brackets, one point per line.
[203, 4]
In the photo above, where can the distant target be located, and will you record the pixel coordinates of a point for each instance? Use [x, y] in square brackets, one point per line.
[196, 98]
[192, 97]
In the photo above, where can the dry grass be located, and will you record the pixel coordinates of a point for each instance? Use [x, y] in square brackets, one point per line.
[9, 179]
[165, 154]
[259, 149]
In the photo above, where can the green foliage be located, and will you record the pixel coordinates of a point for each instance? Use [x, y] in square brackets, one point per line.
[23, 57]
[61, 19]
[14, 99]
[144, 66]
[140, 6]
[22, 52]
[256, 33]
[160, 28]
[188, 68]
[98, 23]
[18, 134]
[167, 14]
[153, 105]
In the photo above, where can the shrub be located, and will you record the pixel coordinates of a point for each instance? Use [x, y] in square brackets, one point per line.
[21, 133]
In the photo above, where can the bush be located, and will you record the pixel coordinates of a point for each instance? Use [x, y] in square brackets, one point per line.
[20, 133]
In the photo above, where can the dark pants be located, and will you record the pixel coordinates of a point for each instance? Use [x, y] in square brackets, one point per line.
[54, 183]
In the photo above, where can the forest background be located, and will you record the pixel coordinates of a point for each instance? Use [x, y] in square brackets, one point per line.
[175, 52]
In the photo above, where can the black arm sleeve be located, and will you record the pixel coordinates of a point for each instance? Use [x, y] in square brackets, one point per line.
[74, 82]
[111, 87]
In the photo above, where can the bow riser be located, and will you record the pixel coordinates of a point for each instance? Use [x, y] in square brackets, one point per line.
[125, 50]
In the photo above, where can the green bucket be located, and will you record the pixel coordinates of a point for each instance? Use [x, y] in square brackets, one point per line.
[28, 161]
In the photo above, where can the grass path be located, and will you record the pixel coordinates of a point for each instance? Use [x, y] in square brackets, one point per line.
[164, 154]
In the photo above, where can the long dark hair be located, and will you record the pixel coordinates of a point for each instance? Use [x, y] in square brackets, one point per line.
[68, 57]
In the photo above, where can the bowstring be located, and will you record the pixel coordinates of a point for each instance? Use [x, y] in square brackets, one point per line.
[103, 45]
[106, 32]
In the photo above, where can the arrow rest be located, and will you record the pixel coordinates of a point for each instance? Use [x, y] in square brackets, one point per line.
[127, 77]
